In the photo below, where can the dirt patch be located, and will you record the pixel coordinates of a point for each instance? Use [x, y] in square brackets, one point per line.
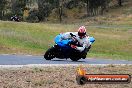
[129, 31]
[57, 77]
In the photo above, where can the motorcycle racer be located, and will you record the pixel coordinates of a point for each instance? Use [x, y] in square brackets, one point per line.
[81, 37]
[73, 45]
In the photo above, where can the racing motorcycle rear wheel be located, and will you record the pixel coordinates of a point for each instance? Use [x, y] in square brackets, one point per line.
[75, 55]
[49, 54]
[74, 58]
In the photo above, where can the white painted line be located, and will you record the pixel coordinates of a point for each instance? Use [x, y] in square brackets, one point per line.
[17, 54]
[5, 54]
[28, 55]
[60, 65]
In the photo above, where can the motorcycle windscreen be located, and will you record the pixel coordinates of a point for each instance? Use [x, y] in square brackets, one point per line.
[92, 39]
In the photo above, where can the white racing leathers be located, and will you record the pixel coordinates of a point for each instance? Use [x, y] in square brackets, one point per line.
[84, 42]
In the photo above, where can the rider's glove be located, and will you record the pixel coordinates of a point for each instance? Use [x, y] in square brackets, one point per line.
[73, 46]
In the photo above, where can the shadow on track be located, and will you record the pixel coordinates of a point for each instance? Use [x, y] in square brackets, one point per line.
[64, 60]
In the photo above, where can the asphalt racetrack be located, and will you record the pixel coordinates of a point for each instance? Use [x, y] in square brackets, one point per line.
[28, 59]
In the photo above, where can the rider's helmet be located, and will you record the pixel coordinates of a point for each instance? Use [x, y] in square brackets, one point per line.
[82, 31]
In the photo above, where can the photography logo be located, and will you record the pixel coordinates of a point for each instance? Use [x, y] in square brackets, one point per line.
[83, 78]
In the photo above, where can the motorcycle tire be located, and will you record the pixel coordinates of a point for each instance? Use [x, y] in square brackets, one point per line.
[49, 54]
[74, 58]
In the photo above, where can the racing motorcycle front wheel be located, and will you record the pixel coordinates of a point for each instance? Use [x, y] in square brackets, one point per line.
[49, 54]
[74, 58]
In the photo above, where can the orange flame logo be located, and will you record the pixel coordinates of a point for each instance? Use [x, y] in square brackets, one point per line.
[81, 71]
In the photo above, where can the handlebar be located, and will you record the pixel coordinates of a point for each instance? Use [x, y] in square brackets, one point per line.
[73, 37]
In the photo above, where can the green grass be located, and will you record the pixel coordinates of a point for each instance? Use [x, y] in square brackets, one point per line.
[24, 37]
[36, 38]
